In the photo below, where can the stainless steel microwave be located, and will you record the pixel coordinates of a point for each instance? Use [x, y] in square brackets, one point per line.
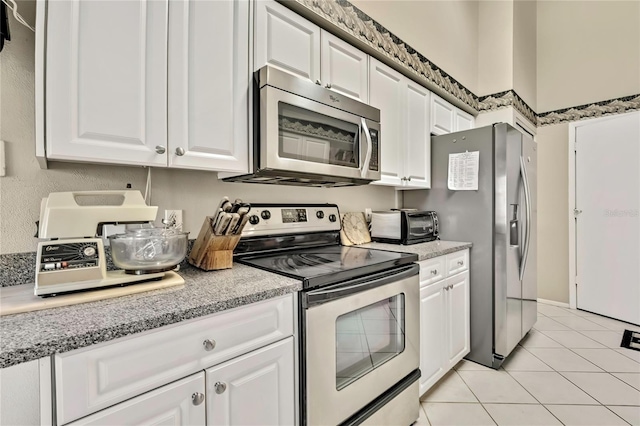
[306, 134]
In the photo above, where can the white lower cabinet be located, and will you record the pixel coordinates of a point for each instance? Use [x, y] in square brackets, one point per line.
[444, 318]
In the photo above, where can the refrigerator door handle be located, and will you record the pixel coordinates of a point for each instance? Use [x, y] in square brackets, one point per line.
[527, 229]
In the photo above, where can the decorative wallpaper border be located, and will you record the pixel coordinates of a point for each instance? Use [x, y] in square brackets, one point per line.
[596, 109]
[505, 99]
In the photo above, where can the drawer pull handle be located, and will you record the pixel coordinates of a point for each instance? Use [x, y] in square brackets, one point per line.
[160, 149]
[434, 272]
[460, 263]
[197, 398]
[209, 345]
[220, 387]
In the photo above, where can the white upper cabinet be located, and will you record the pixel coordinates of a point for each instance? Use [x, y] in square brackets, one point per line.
[110, 98]
[106, 81]
[286, 40]
[446, 118]
[386, 91]
[344, 68]
[208, 85]
[404, 127]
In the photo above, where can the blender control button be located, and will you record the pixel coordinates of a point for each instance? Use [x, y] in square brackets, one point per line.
[58, 265]
[89, 251]
[65, 264]
[332, 218]
[319, 214]
[49, 266]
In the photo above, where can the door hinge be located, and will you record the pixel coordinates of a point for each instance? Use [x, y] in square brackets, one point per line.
[576, 212]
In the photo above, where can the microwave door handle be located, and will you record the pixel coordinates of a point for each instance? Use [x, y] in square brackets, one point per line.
[367, 156]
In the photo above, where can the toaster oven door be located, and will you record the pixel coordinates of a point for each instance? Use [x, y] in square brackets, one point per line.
[301, 135]
[420, 226]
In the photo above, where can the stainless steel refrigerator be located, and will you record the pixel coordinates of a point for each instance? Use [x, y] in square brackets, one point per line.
[499, 218]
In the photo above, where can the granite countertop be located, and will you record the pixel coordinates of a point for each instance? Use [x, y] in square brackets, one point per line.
[423, 250]
[29, 336]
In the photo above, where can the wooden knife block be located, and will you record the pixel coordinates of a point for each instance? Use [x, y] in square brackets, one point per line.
[212, 252]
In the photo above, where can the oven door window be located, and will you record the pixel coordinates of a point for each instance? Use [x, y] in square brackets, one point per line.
[310, 136]
[367, 338]
[420, 226]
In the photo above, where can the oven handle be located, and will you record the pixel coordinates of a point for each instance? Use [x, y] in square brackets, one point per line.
[347, 288]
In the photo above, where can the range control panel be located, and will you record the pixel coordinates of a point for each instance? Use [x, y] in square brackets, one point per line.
[56, 256]
[274, 219]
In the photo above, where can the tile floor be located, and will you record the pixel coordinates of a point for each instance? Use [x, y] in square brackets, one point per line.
[568, 370]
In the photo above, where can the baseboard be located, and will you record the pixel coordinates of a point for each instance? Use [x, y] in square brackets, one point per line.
[554, 303]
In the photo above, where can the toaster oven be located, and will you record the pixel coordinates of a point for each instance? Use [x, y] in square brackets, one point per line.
[404, 226]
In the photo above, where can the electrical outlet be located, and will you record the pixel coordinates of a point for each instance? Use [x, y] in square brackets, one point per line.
[173, 219]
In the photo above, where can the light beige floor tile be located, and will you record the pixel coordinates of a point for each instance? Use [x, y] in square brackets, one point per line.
[457, 414]
[581, 313]
[613, 324]
[496, 387]
[630, 414]
[580, 323]
[553, 311]
[552, 388]
[609, 360]
[605, 388]
[465, 365]
[629, 353]
[573, 339]
[522, 360]
[546, 323]
[422, 419]
[632, 379]
[450, 388]
[537, 339]
[563, 359]
[610, 339]
[521, 415]
[581, 415]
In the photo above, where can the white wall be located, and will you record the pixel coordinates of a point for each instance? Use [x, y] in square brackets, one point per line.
[197, 193]
[495, 47]
[524, 51]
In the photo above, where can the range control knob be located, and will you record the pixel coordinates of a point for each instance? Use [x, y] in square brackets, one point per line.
[253, 219]
[319, 214]
[332, 218]
[266, 214]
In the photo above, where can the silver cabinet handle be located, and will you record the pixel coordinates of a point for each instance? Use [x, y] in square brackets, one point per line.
[318, 82]
[434, 272]
[409, 178]
[328, 85]
[197, 398]
[460, 263]
[180, 151]
[160, 149]
[220, 387]
[209, 345]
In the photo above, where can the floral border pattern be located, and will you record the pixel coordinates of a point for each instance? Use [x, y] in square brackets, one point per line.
[596, 109]
[505, 99]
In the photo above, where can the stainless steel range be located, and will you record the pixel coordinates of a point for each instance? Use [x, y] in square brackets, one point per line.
[358, 315]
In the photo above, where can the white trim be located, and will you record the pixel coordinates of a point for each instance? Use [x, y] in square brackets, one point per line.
[554, 303]
[46, 392]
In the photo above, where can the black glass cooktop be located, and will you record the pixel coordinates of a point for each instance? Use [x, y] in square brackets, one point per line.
[328, 265]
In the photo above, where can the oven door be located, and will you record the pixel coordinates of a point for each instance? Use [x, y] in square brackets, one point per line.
[418, 226]
[301, 135]
[361, 339]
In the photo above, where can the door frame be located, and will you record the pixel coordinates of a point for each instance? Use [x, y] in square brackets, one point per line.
[571, 146]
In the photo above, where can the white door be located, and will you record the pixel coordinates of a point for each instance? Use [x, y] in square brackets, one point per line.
[209, 85]
[178, 403]
[607, 229]
[442, 116]
[254, 389]
[344, 68]
[458, 321]
[106, 81]
[386, 89]
[432, 334]
[417, 169]
[286, 40]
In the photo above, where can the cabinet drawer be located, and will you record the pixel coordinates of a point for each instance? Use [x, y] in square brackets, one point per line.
[93, 378]
[457, 262]
[432, 270]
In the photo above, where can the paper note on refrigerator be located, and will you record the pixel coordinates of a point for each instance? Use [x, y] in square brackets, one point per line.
[463, 171]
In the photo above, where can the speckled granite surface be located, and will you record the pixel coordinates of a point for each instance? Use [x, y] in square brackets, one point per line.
[33, 335]
[423, 250]
[17, 268]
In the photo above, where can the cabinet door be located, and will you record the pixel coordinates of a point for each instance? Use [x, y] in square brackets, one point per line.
[172, 404]
[417, 170]
[254, 389]
[286, 40]
[386, 89]
[463, 121]
[106, 81]
[344, 68]
[442, 114]
[432, 334]
[457, 317]
[209, 85]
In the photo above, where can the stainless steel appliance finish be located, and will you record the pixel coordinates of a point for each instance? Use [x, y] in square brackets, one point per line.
[305, 134]
[405, 226]
[500, 220]
[358, 317]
